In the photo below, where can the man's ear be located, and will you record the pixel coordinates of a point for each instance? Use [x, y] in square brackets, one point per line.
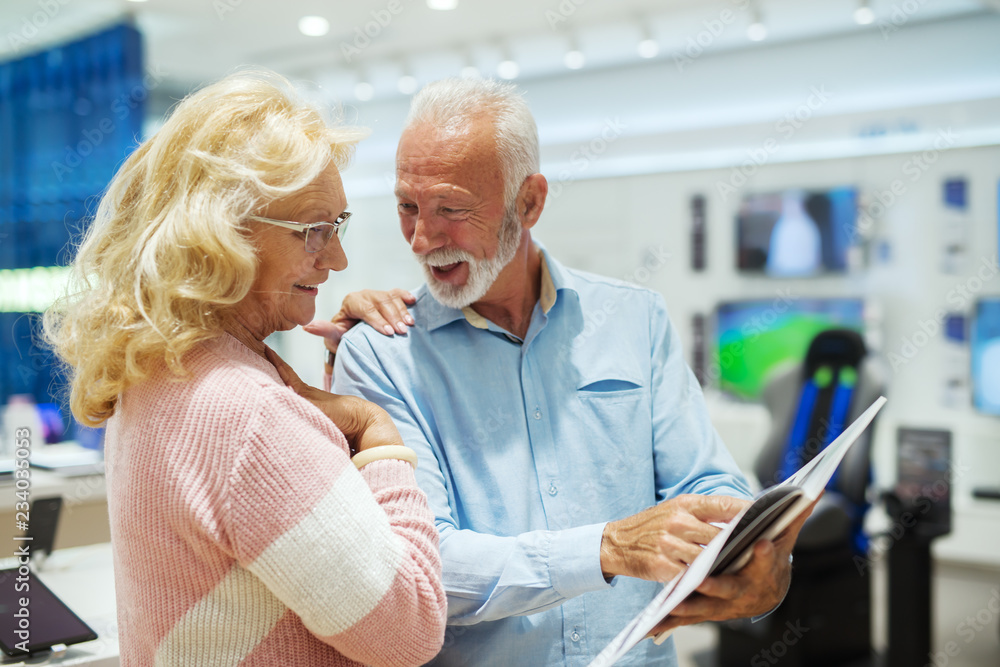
[531, 199]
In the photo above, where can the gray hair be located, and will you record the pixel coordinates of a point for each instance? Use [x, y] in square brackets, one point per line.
[453, 103]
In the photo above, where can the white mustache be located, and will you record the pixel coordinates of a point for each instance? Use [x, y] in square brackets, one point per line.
[445, 257]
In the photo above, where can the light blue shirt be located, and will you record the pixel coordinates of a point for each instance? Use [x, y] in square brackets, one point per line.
[528, 448]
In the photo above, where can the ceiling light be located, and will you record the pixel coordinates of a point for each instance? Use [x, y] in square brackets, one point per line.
[649, 48]
[469, 69]
[864, 15]
[314, 26]
[756, 31]
[364, 91]
[442, 5]
[574, 59]
[407, 84]
[508, 69]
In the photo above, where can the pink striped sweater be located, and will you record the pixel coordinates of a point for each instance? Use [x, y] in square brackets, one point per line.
[243, 534]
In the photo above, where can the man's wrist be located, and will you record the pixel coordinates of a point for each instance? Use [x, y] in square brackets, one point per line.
[609, 553]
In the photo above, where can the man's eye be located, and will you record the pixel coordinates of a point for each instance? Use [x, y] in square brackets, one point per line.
[407, 207]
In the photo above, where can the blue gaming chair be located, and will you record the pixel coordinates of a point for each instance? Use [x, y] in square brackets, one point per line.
[810, 404]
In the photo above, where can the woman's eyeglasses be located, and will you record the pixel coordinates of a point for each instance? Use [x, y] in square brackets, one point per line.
[318, 234]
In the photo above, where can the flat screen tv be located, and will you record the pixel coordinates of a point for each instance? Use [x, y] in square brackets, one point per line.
[796, 233]
[756, 337]
[984, 340]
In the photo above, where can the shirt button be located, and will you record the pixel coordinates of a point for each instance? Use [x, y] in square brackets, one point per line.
[538, 414]
[553, 490]
[575, 636]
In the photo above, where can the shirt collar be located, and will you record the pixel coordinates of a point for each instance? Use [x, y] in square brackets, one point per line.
[554, 279]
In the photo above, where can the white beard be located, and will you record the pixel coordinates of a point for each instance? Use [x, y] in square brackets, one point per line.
[482, 272]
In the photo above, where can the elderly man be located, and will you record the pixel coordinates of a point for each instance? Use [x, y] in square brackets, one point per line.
[569, 467]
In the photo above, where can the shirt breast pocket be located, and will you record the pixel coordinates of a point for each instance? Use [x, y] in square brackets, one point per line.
[616, 409]
[610, 390]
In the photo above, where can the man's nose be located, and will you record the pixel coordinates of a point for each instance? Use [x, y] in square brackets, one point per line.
[426, 237]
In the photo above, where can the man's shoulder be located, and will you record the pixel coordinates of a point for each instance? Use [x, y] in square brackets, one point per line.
[364, 336]
[595, 286]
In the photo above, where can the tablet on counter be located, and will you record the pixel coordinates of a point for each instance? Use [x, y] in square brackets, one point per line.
[33, 618]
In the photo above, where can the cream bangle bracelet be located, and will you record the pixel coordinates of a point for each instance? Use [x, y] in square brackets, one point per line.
[400, 452]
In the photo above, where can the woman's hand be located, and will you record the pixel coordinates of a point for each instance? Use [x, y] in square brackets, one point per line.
[363, 423]
[384, 311]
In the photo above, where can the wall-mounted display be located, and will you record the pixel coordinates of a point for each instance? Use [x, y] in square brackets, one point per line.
[69, 116]
[985, 343]
[698, 233]
[754, 338]
[955, 366]
[956, 225]
[796, 233]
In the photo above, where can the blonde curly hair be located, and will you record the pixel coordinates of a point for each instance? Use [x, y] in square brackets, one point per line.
[168, 252]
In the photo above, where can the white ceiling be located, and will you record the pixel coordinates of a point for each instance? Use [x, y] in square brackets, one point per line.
[194, 41]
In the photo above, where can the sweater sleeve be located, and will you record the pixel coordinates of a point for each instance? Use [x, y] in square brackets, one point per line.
[353, 553]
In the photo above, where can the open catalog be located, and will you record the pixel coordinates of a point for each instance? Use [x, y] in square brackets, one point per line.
[769, 514]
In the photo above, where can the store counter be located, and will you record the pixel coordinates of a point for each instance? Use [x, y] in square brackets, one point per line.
[84, 516]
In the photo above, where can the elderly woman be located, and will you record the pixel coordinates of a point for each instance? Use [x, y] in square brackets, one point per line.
[242, 531]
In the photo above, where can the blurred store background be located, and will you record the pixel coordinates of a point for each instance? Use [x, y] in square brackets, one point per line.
[775, 168]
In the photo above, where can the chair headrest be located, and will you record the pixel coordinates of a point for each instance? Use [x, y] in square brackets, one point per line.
[834, 347]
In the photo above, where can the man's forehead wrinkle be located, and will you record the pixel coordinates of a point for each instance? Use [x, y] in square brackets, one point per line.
[439, 162]
[431, 160]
